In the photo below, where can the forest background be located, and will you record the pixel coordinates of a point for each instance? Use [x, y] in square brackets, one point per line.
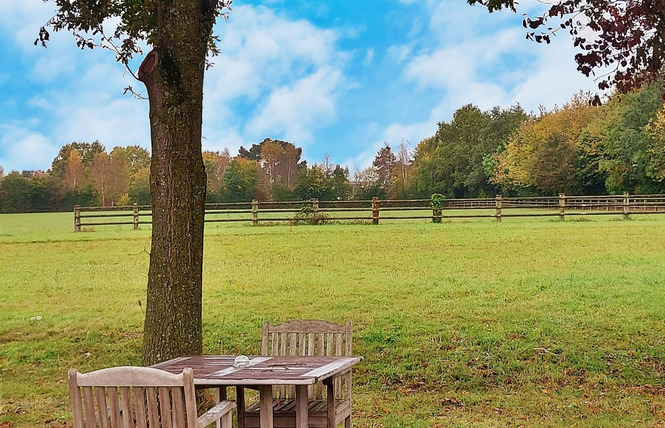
[577, 149]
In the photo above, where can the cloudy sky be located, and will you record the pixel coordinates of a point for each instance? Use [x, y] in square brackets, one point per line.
[335, 78]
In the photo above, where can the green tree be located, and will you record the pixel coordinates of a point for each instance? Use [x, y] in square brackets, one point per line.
[215, 165]
[179, 33]
[542, 154]
[86, 152]
[241, 180]
[453, 161]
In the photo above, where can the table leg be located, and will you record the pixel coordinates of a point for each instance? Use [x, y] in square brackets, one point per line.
[330, 403]
[302, 417]
[240, 406]
[265, 416]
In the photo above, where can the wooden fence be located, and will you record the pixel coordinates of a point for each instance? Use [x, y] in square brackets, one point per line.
[373, 211]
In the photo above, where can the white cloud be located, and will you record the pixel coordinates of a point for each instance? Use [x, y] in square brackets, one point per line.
[283, 74]
[23, 149]
[114, 122]
[293, 111]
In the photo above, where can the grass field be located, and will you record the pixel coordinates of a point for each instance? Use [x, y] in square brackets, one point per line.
[520, 323]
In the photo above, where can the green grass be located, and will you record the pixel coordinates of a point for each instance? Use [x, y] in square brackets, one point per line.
[525, 322]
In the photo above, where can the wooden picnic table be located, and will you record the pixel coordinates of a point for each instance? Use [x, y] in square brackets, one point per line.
[262, 373]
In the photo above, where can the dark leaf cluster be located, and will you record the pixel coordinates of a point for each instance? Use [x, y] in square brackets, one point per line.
[622, 44]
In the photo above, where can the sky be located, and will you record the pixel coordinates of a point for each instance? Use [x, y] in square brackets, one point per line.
[339, 79]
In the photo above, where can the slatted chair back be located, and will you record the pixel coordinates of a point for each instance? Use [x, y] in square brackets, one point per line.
[309, 338]
[128, 397]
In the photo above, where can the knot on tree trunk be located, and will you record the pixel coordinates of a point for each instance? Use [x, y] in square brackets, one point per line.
[148, 65]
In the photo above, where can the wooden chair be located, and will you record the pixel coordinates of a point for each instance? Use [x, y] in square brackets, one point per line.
[141, 397]
[311, 338]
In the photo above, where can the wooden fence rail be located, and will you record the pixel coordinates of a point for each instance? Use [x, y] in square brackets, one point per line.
[375, 210]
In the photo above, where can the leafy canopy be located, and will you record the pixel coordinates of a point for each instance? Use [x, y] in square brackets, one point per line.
[621, 42]
[135, 21]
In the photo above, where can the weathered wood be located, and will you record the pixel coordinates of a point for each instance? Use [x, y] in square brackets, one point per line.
[139, 397]
[375, 210]
[136, 216]
[255, 212]
[562, 206]
[591, 205]
[266, 406]
[310, 338]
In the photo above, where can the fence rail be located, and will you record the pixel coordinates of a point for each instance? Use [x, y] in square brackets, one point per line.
[375, 210]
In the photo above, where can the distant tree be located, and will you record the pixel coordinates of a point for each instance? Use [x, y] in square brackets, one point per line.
[620, 134]
[100, 172]
[136, 157]
[656, 153]
[2, 173]
[86, 151]
[542, 153]
[384, 162]
[454, 161]
[312, 184]
[271, 154]
[241, 179]
[339, 186]
[254, 152]
[280, 160]
[33, 193]
[139, 187]
[368, 185]
[215, 165]
[74, 173]
[290, 164]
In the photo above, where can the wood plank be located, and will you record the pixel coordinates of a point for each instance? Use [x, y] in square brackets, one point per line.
[114, 406]
[153, 406]
[336, 366]
[165, 407]
[330, 404]
[125, 406]
[265, 399]
[75, 399]
[102, 412]
[139, 405]
[88, 406]
[178, 407]
[302, 417]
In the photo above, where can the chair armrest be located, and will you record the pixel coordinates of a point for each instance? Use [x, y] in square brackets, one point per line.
[220, 409]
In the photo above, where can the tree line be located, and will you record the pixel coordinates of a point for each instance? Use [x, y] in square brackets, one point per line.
[577, 148]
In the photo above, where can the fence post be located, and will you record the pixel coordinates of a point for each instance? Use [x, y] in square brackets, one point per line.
[499, 205]
[375, 210]
[136, 216]
[626, 205]
[315, 210]
[77, 218]
[255, 212]
[562, 206]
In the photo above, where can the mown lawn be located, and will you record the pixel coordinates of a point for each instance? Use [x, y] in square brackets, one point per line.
[525, 322]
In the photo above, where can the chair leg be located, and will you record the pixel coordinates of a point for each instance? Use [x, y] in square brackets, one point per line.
[347, 422]
[240, 406]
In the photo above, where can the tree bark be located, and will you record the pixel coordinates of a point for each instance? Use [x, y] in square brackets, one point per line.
[173, 75]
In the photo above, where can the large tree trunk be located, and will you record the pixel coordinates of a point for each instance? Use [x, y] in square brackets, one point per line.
[173, 75]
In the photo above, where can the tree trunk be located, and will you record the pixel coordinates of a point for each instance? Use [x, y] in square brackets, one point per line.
[173, 75]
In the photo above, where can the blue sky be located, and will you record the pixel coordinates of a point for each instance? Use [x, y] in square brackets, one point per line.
[335, 78]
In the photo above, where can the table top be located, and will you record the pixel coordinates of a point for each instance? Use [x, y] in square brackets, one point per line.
[218, 370]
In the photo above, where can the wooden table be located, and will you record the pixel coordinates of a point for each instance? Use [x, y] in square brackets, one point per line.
[263, 373]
